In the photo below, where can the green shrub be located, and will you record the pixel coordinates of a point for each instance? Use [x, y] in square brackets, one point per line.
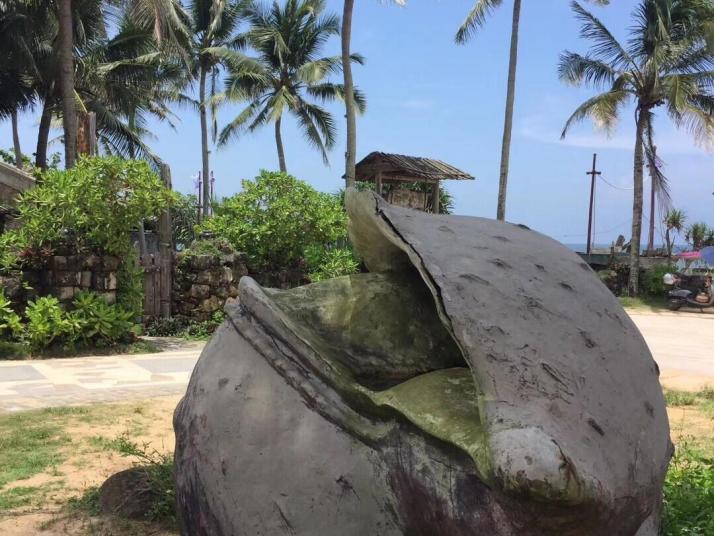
[689, 495]
[95, 205]
[99, 323]
[184, 328]
[184, 218]
[10, 326]
[90, 322]
[325, 263]
[130, 284]
[651, 282]
[275, 218]
[47, 323]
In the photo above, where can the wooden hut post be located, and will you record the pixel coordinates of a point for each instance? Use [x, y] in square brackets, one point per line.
[378, 183]
[435, 198]
[165, 251]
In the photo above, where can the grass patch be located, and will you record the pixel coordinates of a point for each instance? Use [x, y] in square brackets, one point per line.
[12, 351]
[679, 398]
[19, 496]
[689, 494]
[644, 303]
[28, 446]
[704, 399]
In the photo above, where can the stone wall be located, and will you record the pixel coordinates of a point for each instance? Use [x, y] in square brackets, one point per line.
[63, 276]
[203, 283]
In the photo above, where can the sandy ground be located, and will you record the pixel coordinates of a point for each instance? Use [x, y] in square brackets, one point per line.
[88, 464]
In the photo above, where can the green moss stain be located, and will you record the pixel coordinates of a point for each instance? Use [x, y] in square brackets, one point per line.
[442, 404]
[388, 323]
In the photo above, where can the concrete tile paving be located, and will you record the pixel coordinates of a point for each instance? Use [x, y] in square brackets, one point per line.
[73, 381]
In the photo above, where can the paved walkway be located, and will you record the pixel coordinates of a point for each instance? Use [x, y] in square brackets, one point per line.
[682, 344]
[84, 380]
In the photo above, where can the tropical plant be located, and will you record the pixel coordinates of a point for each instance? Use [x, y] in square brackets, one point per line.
[10, 326]
[275, 218]
[214, 45]
[184, 218]
[674, 223]
[98, 322]
[325, 263]
[475, 19]
[288, 70]
[666, 62]
[94, 205]
[699, 235]
[47, 323]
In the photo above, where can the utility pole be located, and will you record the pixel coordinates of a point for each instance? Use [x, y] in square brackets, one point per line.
[593, 174]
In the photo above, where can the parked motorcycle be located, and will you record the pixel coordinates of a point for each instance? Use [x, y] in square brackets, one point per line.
[689, 291]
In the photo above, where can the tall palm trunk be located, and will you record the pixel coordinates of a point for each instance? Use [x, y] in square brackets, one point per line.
[350, 155]
[508, 120]
[204, 141]
[16, 140]
[43, 134]
[653, 202]
[637, 203]
[279, 143]
[69, 112]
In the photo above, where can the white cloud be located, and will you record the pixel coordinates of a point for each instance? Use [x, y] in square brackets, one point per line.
[417, 104]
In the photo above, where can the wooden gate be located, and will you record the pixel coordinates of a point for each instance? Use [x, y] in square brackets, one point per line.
[158, 265]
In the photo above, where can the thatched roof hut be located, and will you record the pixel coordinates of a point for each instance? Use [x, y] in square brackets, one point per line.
[386, 168]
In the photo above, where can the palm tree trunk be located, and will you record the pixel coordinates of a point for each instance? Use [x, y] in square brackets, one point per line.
[279, 143]
[16, 140]
[650, 237]
[69, 112]
[350, 155]
[43, 134]
[653, 191]
[206, 193]
[667, 238]
[508, 121]
[637, 204]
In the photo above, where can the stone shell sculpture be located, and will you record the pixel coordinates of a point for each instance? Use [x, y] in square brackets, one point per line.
[479, 380]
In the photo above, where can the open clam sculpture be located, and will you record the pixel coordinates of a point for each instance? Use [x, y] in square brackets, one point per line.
[479, 380]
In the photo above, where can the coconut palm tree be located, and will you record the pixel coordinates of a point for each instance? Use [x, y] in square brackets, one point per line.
[666, 63]
[674, 223]
[475, 19]
[215, 43]
[287, 72]
[349, 91]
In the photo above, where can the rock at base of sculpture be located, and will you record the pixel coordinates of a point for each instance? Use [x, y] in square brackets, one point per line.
[479, 380]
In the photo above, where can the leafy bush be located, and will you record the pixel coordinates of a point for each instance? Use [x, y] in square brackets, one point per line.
[130, 284]
[184, 218]
[689, 495]
[97, 322]
[10, 326]
[47, 323]
[94, 205]
[275, 218]
[184, 328]
[651, 282]
[325, 263]
[90, 322]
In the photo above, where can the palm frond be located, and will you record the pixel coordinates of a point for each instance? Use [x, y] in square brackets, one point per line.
[475, 19]
[601, 109]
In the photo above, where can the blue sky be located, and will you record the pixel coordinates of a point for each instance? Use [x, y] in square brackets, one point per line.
[430, 97]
